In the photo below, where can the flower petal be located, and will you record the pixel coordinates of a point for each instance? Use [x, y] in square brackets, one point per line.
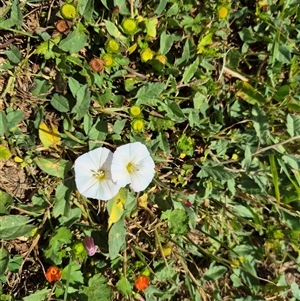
[85, 167]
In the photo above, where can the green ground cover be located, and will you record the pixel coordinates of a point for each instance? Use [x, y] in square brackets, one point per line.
[212, 91]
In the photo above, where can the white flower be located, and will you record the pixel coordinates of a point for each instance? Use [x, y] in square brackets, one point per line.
[132, 164]
[93, 176]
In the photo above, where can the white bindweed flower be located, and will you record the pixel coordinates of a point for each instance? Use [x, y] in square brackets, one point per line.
[93, 175]
[132, 164]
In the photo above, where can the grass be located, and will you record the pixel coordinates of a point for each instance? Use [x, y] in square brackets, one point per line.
[211, 89]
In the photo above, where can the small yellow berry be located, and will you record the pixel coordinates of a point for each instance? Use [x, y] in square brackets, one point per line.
[130, 26]
[146, 55]
[112, 46]
[68, 11]
[138, 125]
[135, 111]
[108, 60]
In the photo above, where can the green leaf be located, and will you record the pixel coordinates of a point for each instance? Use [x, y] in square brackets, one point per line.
[39, 295]
[116, 238]
[122, 4]
[3, 124]
[216, 172]
[148, 92]
[74, 42]
[60, 103]
[14, 118]
[83, 101]
[13, 226]
[5, 201]
[4, 259]
[53, 167]
[86, 8]
[283, 54]
[293, 125]
[14, 54]
[72, 273]
[292, 161]
[178, 222]
[98, 289]
[74, 86]
[166, 42]
[260, 123]
[60, 237]
[160, 7]
[114, 31]
[190, 71]
[124, 287]
[214, 273]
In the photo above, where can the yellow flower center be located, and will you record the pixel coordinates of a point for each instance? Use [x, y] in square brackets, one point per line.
[131, 167]
[223, 12]
[147, 54]
[100, 175]
[138, 125]
[113, 46]
[108, 59]
[130, 26]
[135, 111]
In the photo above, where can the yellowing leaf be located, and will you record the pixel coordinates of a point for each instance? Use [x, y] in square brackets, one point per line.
[5, 154]
[115, 207]
[143, 200]
[203, 42]
[132, 48]
[151, 28]
[49, 136]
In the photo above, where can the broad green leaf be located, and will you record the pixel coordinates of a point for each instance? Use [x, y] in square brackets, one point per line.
[190, 71]
[83, 101]
[260, 123]
[60, 237]
[116, 238]
[293, 125]
[39, 295]
[161, 7]
[74, 86]
[178, 222]
[114, 31]
[166, 42]
[4, 259]
[115, 207]
[13, 226]
[216, 172]
[249, 94]
[49, 136]
[5, 153]
[5, 201]
[74, 275]
[53, 167]
[97, 289]
[60, 103]
[283, 54]
[122, 4]
[148, 92]
[86, 8]
[292, 160]
[124, 287]
[14, 118]
[14, 54]
[214, 273]
[62, 196]
[74, 42]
